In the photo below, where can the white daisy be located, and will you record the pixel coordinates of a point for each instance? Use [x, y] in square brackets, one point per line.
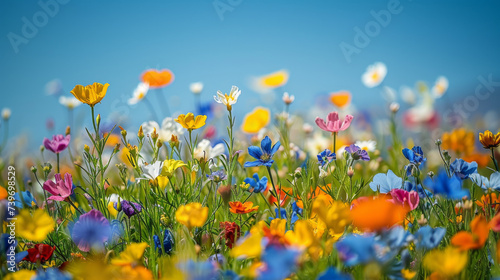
[374, 75]
[368, 146]
[139, 93]
[228, 99]
[6, 113]
[196, 88]
[69, 102]
[440, 87]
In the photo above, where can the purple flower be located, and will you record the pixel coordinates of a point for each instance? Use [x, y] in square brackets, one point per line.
[91, 229]
[357, 153]
[130, 208]
[217, 176]
[58, 143]
[61, 189]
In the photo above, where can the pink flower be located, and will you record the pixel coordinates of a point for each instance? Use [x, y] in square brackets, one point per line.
[333, 124]
[58, 143]
[61, 189]
[404, 198]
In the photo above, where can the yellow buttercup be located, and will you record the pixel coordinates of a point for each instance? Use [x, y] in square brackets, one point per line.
[90, 94]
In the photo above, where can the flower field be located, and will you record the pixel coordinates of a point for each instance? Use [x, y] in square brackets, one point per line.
[206, 195]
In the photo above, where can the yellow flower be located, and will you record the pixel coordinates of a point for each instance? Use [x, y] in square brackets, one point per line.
[249, 247]
[21, 275]
[336, 216]
[228, 100]
[192, 215]
[489, 140]
[132, 255]
[266, 83]
[408, 274]
[302, 234]
[34, 228]
[256, 120]
[111, 208]
[91, 94]
[447, 263]
[189, 122]
[459, 141]
[169, 167]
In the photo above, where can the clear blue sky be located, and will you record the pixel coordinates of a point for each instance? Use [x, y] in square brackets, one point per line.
[114, 41]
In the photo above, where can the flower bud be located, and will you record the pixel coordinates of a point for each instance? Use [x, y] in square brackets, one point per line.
[154, 135]
[288, 99]
[98, 120]
[140, 134]
[159, 144]
[438, 142]
[68, 130]
[123, 132]
[6, 113]
[42, 148]
[350, 172]
[86, 148]
[430, 174]
[174, 141]
[394, 107]
[117, 148]
[33, 169]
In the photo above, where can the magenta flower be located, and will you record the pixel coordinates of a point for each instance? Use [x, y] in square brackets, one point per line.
[405, 198]
[58, 143]
[333, 123]
[61, 189]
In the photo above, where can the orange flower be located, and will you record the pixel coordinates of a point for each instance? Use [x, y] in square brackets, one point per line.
[282, 194]
[157, 78]
[482, 159]
[340, 99]
[376, 213]
[495, 223]
[459, 141]
[489, 140]
[242, 208]
[489, 199]
[476, 238]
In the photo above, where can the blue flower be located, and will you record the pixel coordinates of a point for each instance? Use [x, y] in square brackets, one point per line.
[91, 230]
[264, 156]
[332, 273]
[411, 185]
[448, 187]
[415, 155]
[492, 184]
[429, 238]
[52, 273]
[199, 270]
[256, 183]
[463, 169]
[280, 262]
[357, 153]
[325, 157]
[356, 249]
[296, 210]
[217, 176]
[386, 182]
[27, 197]
[168, 242]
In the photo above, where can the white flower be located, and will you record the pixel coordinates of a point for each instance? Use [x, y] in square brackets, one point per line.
[307, 128]
[196, 88]
[408, 95]
[114, 198]
[168, 128]
[374, 74]
[205, 150]
[440, 87]
[368, 146]
[139, 93]
[6, 113]
[69, 102]
[226, 99]
[149, 126]
[288, 99]
[322, 173]
[151, 171]
[317, 143]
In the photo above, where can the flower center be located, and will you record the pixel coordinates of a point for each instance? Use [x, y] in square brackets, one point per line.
[265, 157]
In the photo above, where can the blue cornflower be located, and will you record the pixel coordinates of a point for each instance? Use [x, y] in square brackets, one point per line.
[357, 153]
[411, 185]
[280, 262]
[91, 230]
[168, 242]
[448, 187]
[332, 273]
[463, 169]
[27, 197]
[217, 176]
[325, 157]
[415, 155]
[355, 249]
[264, 154]
[386, 182]
[429, 238]
[492, 184]
[257, 184]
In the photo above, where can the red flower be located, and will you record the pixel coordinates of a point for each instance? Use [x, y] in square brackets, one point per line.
[231, 232]
[41, 252]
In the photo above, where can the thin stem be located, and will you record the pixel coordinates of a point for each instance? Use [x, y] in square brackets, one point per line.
[151, 108]
[162, 100]
[493, 158]
[334, 142]
[57, 156]
[278, 195]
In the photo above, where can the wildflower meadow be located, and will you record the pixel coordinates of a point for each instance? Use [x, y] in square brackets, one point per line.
[267, 197]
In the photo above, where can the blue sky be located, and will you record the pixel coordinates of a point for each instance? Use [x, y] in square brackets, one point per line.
[114, 41]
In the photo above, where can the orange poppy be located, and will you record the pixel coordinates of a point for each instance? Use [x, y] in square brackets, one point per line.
[376, 213]
[282, 195]
[340, 99]
[157, 78]
[237, 207]
[474, 239]
[490, 199]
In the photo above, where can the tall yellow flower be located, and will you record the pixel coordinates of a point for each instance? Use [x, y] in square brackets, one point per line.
[192, 215]
[169, 167]
[489, 140]
[189, 121]
[90, 94]
[447, 263]
[132, 255]
[34, 228]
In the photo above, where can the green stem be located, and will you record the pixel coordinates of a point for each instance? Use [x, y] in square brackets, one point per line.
[278, 195]
[57, 156]
[334, 142]
[493, 158]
